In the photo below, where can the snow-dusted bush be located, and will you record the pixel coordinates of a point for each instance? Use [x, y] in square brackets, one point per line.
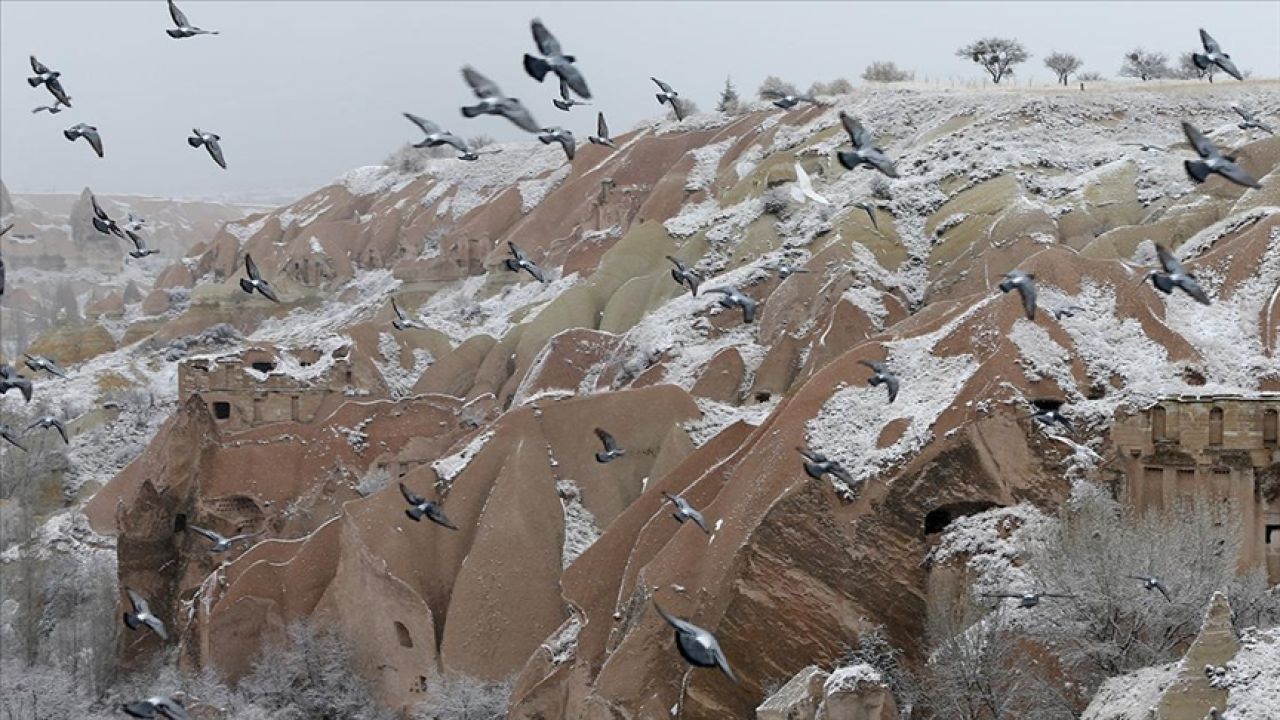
[839, 86]
[461, 697]
[1063, 65]
[373, 481]
[776, 200]
[886, 72]
[775, 84]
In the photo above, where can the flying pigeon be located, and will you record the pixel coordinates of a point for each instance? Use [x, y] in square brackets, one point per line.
[401, 321]
[566, 100]
[255, 281]
[1026, 285]
[53, 109]
[1175, 275]
[49, 421]
[882, 377]
[611, 449]
[786, 270]
[864, 150]
[816, 465]
[435, 137]
[555, 61]
[7, 433]
[141, 615]
[140, 249]
[493, 102]
[1251, 121]
[54, 86]
[1027, 599]
[88, 132]
[870, 210]
[1146, 147]
[1049, 413]
[1068, 311]
[184, 28]
[160, 706]
[42, 73]
[422, 506]
[102, 222]
[39, 362]
[518, 261]
[1213, 55]
[602, 133]
[668, 95]
[1150, 582]
[786, 101]
[134, 223]
[685, 276]
[3, 230]
[735, 298]
[16, 382]
[803, 188]
[560, 135]
[697, 646]
[221, 543]
[210, 142]
[684, 511]
[1214, 161]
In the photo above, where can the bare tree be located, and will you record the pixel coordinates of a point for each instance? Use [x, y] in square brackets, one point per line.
[997, 56]
[1090, 76]
[775, 84]
[1063, 65]
[729, 102]
[886, 72]
[1145, 65]
[839, 86]
[478, 141]
[460, 697]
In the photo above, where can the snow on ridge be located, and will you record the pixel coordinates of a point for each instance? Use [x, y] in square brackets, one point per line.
[449, 467]
[400, 381]
[301, 327]
[533, 192]
[994, 543]
[717, 416]
[706, 163]
[459, 313]
[580, 527]
[1252, 678]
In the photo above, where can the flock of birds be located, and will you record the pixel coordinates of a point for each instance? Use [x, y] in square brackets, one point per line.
[697, 645]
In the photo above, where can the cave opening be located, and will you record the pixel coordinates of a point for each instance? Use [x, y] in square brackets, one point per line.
[937, 520]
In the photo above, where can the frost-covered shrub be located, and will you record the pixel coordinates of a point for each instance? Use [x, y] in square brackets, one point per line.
[776, 200]
[461, 697]
[373, 481]
[886, 72]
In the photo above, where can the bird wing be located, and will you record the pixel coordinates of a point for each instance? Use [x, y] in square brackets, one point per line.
[157, 625]
[251, 267]
[62, 430]
[482, 86]
[173, 709]
[456, 142]
[683, 626]
[674, 261]
[9, 227]
[881, 162]
[97, 209]
[438, 517]
[395, 307]
[423, 124]
[1160, 586]
[179, 18]
[698, 520]
[1198, 141]
[1229, 67]
[665, 87]
[211, 535]
[857, 133]
[1210, 45]
[1168, 261]
[38, 67]
[1192, 288]
[573, 76]
[95, 140]
[535, 271]
[1245, 114]
[675, 107]
[410, 496]
[516, 112]
[721, 660]
[59, 93]
[215, 151]
[542, 37]
[609, 443]
[727, 292]
[1003, 595]
[564, 91]
[268, 292]
[802, 179]
[891, 381]
[135, 239]
[1028, 292]
[516, 252]
[1236, 174]
[139, 604]
[602, 130]
[879, 367]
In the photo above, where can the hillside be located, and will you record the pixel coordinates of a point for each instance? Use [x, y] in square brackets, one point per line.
[490, 406]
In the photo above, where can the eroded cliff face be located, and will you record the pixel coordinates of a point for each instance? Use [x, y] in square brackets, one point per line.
[491, 408]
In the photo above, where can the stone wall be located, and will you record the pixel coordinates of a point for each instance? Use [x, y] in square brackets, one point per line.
[1221, 447]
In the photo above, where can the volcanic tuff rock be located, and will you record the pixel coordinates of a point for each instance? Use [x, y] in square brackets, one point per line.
[496, 401]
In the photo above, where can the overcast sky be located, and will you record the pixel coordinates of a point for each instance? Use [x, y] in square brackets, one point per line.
[302, 91]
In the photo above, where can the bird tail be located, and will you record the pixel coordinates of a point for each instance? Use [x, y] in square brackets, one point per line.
[246, 286]
[661, 98]
[561, 104]
[536, 67]
[1197, 169]
[546, 140]
[1200, 60]
[194, 141]
[1006, 286]
[1163, 283]
[875, 380]
[132, 621]
[101, 226]
[69, 135]
[511, 265]
[602, 458]
[175, 34]
[847, 159]
[414, 514]
[34, 81]
[472, 110]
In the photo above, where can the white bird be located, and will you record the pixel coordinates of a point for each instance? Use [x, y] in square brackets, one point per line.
[803, 188]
